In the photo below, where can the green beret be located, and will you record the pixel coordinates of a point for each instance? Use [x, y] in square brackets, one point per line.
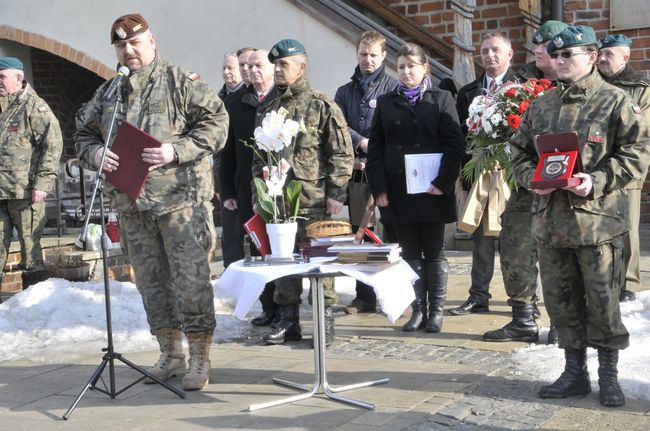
[578, 35]
[548, 31]
[286, 48]
[10, 63]
[128, 26]
[615, 40]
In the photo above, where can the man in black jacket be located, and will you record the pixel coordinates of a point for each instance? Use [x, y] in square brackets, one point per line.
[237, 158]
[496, 54]
[358, 100]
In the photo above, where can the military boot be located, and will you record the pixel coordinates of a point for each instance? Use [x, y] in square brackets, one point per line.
[574, 380]
[268, 307]
[198, 372]
[418, 316]
[522, 327]
[287, 327]
[171, 362]
[626, 295]
[436, 281]
[611, 394]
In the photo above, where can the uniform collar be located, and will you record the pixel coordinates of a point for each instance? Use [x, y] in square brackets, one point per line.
[583, 88]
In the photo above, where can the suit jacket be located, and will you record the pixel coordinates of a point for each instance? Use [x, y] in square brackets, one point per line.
[398, 129]
[236, 157]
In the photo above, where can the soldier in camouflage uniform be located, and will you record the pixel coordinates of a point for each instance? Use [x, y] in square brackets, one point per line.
[580, 229]
[321, 158]
[30, 149]
[613, 58]
[168, 231]
[517, 247]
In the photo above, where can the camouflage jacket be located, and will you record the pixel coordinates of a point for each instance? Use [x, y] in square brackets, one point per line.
[30, 145]
[175, 107]
[321, 157]
[638, 89]
[614, 141]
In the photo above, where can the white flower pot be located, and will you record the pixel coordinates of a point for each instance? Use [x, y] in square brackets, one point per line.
[282, 237]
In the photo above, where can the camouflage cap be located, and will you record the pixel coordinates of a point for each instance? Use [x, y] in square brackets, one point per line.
[128, 26]
[286, 48]
[548, 31]
[615, 40]
[10, 63]
[578, 35]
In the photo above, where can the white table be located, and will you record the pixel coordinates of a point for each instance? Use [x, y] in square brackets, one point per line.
[394, 289]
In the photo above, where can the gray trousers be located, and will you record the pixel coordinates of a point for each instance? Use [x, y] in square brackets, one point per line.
[483, 255]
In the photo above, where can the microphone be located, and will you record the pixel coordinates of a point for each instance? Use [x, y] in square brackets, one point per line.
[122, 72]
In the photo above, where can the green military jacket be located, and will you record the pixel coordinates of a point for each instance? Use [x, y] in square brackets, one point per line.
[321, 157]
[638, 89]
[30, 145]
[174, 106]
[614, 141]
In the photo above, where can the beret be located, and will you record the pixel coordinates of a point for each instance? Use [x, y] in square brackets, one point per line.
[572, 36]
[128, 26]
[615, 40]
[547, 31]
[286, 48]
[10, 63]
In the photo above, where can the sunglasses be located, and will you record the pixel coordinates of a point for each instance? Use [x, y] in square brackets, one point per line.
[567, 54]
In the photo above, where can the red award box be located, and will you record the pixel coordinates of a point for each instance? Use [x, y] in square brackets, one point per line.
[559, 160]
[255, 227]
[132, 172]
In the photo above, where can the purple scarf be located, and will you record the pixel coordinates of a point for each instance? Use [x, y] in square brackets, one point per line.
[414, 94]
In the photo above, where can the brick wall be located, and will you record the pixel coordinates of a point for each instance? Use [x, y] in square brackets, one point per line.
[64, 86]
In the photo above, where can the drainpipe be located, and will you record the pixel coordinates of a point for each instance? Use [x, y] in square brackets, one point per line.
[557, 10]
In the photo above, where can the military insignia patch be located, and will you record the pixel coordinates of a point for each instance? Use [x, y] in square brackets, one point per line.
[275, 52]
[155, 108]
[579, 36]
[558, 42]
[193, 76]
[120, 32]
[43, 109]
[538, 38]
[13, 127]
[597, 137]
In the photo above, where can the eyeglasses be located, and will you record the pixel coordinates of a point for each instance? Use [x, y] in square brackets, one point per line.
[567, 54]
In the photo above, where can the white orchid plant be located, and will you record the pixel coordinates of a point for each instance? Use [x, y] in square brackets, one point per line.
[276, 133]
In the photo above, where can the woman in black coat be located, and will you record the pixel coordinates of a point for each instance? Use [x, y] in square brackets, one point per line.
[416, 119]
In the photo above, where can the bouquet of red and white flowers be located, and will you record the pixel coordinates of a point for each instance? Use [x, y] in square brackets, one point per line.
[492, 121]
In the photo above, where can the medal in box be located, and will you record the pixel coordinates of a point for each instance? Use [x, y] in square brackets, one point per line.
[559, 160]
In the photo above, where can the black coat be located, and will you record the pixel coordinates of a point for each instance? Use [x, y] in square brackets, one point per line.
[398, 129]
[236, 158]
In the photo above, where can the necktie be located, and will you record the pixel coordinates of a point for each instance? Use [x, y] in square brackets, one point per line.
[493, 86]
[261, 96]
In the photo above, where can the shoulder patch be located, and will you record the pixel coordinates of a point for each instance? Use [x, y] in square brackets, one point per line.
[43, 109]
[193, 76]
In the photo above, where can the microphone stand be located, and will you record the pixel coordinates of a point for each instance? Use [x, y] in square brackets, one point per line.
[110, 354]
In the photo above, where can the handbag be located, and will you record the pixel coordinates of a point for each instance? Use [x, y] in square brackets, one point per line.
[358, 195]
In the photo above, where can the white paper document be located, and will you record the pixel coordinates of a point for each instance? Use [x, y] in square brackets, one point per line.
[420, 170]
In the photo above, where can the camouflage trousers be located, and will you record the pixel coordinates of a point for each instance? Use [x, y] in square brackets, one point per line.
[581, 288]
[518, 255]
[288, 291]
[170, 258]
[29, 220]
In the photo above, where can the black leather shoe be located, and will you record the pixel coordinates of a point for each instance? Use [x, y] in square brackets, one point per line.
[626, 295]
[360, 306]
[468, 307]
[264, 319]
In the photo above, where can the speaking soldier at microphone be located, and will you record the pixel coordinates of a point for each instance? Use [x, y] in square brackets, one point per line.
[167, 231]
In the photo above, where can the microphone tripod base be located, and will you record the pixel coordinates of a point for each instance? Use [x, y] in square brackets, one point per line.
[109, 360]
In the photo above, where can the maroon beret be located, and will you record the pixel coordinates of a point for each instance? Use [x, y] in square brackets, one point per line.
[128, 26]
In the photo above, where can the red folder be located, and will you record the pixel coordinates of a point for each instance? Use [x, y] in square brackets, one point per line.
[130, 176]
[255, 227]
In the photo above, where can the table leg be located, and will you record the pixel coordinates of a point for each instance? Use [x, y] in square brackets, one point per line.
[320, 371]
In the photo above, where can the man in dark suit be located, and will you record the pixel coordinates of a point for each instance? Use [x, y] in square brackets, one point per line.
[237, 158]
[496, 54]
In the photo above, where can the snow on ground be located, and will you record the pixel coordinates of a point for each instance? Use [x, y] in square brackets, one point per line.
[546, 363]
[58, 321]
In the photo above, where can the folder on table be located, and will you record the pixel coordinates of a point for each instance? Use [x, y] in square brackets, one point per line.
[132, 173]
[255, 227]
